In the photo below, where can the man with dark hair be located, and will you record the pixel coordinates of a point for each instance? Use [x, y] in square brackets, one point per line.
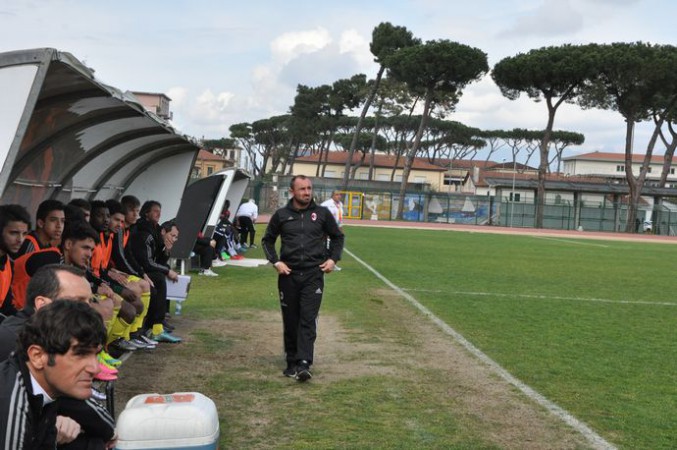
[127, 273]
[77, 240]
[49, 223]
[149, 246]
[131, 207]
[48, 283]
[51, 282]
[56, 357]
[303, 227]
[14, 225]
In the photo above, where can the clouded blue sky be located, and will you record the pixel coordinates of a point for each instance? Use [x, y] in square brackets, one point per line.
[226, 62]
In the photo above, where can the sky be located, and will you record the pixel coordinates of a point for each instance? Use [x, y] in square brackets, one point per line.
[224, 62]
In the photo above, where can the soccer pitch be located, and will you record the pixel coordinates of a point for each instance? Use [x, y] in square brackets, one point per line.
[590, 325]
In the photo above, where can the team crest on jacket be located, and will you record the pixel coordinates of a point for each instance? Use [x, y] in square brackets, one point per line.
[313, 217]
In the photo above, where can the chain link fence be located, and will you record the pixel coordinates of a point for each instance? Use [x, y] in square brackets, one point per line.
[381, 203]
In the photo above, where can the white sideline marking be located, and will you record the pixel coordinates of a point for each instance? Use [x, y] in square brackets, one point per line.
[570, 241]
[544, 297]
[594, 438]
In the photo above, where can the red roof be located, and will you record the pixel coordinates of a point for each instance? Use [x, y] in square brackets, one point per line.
[617, 157]
[380, 160]
[204, 155]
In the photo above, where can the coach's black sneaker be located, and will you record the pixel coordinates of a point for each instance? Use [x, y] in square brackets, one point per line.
[303, 371]
[290, 371]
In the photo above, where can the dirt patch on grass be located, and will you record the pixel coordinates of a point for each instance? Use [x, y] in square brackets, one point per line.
[413, 348]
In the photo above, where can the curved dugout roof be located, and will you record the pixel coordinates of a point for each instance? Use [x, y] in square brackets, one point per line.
[64, 134]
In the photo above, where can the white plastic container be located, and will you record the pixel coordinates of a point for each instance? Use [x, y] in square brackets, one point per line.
[183, 420]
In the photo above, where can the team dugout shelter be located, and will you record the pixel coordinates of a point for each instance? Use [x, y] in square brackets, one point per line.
[64, 134]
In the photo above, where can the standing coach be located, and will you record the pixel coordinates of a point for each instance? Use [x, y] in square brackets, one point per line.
[303, 227]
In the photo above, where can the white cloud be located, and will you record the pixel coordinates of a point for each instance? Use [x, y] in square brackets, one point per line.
[355, 44]
[290, 45]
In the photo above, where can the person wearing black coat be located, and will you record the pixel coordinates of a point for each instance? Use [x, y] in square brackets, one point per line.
[303, 228]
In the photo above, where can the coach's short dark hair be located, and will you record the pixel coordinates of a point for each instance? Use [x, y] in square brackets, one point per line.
[297, 177]
[48, 206]
[57, 324]
[13, 213]
[45, 282]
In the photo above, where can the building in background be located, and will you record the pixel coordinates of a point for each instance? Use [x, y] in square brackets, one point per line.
[208, 163]
[156, 103]
[612, 166]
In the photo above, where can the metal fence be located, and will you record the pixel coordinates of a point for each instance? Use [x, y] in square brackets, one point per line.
[382, 204]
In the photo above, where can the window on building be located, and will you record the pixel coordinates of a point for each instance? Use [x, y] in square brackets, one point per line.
[514, 197]
[210, 170]
[330, 174]
[620, 168]
[649, 171]
[420, 180]
[672, 171]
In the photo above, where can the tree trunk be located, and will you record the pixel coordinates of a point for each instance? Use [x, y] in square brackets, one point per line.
[365, 109]
[411, 154]
[353, 171]
[635, 187]
[543, 165]
[632, 182]
[326, 158]
[667, 162]
[372, 150]
[295, 152]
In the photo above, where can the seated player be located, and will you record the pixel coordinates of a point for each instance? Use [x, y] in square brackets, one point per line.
[49, 223]
[14, 225]
[149, 247]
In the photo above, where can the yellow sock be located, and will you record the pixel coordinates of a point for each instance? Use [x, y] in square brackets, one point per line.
[138, 321]
[118, 330]
[158, 329]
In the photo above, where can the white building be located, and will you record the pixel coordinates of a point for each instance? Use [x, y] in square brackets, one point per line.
[612, 165]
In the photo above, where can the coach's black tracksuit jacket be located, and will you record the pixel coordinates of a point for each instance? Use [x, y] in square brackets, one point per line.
[303, 233]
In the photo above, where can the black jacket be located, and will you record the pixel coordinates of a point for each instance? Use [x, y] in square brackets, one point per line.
[147, 247]
[122, 260]
[24, 422]
[9, 331]
[303, 233]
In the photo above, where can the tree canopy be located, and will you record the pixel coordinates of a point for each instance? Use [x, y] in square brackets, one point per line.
[439, 70]
[553, 74]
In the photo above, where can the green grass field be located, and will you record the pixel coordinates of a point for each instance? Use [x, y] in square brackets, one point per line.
[591, 325]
